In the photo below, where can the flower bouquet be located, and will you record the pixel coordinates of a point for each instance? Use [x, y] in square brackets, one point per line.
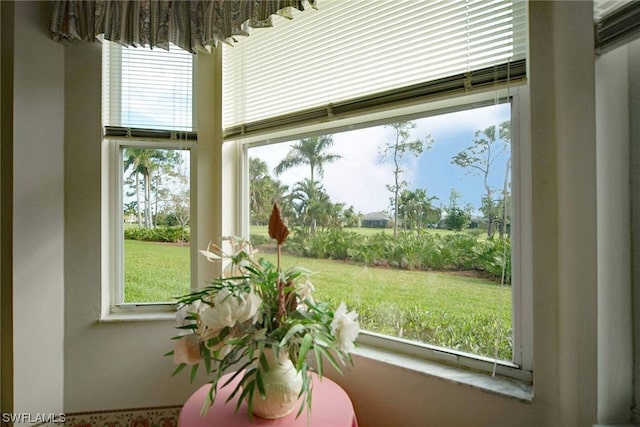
[259, 320]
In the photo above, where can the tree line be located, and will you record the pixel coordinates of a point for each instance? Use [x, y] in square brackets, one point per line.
[308, 206]
[156, 187]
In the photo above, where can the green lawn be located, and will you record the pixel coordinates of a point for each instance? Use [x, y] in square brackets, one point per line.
[155, 271]
[446, 309]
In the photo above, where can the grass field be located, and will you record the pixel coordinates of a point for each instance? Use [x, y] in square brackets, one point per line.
[155, 271]
[447, 309]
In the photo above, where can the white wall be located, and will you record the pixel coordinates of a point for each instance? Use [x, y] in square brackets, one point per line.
[107, 365]
[38, 213]
[615, 353]
[564, 201]
[111, 366]
[634, 113]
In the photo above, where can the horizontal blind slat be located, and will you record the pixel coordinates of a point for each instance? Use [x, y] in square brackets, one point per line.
[147, 89]
[345, 50]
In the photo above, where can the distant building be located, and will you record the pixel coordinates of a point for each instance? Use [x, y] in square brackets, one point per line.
[377, 220]
[478, 222]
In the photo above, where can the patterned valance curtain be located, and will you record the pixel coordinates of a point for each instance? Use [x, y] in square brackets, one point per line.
[196, 25]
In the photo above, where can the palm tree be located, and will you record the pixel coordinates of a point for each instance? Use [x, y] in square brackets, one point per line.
[263, 190]
[145, 162]
[309, 151]
[313, 206]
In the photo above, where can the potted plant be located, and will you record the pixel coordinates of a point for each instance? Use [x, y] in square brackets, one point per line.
[261, 323]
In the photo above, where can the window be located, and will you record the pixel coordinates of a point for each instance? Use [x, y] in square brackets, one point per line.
[407, 222]
[426, 261]
[430, 246]
[149, 132]
[156, 210]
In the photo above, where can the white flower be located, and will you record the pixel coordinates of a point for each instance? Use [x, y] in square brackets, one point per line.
[227, 311]
[249, 307]
[345, 328]
[184, 311]
[187, 350]
[241, 253]
[305, 291]
[221, 315]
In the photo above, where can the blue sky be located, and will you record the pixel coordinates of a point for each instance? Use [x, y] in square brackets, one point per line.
[360, 177]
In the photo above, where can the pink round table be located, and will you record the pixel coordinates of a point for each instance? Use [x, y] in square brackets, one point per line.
[331, 407]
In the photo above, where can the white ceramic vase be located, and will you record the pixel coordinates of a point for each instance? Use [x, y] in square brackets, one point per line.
[282, 385]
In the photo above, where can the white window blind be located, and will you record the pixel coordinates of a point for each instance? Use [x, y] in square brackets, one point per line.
[602, 8]
[616, 23]
[347, 50]
[146, 90]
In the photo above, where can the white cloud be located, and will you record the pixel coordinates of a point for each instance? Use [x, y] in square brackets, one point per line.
[360, 178]
[467, 120]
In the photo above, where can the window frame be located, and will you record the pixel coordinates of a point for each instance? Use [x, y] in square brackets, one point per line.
[113, 307]
[116, 262]
[521, 288]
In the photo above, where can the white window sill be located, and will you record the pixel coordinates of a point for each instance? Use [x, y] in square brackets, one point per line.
[137, 317]
[502, 386]
[507, 387]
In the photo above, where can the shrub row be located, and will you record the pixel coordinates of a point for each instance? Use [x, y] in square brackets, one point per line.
[158, 234]
[409, 251]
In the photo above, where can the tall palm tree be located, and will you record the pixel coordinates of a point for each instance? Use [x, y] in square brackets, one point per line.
[144, 162]
[311, 203]
[309, 151]
[263, 190]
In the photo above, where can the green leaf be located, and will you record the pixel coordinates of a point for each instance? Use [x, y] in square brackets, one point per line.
[207, 361]
[305, 390]
[294, 330]
[309, 400]
[179, 368]
[194, 370]
[327, 354]
[247, 393]
[244, 382]
[303, 404]
[263, 362]
[318, 354]
[304, 349]
[250, 405]
[235, 374]
[260, 383]
[206, 404]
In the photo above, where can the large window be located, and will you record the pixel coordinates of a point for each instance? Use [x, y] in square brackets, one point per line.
[409, 222]
[404, 180]
[148, 120]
